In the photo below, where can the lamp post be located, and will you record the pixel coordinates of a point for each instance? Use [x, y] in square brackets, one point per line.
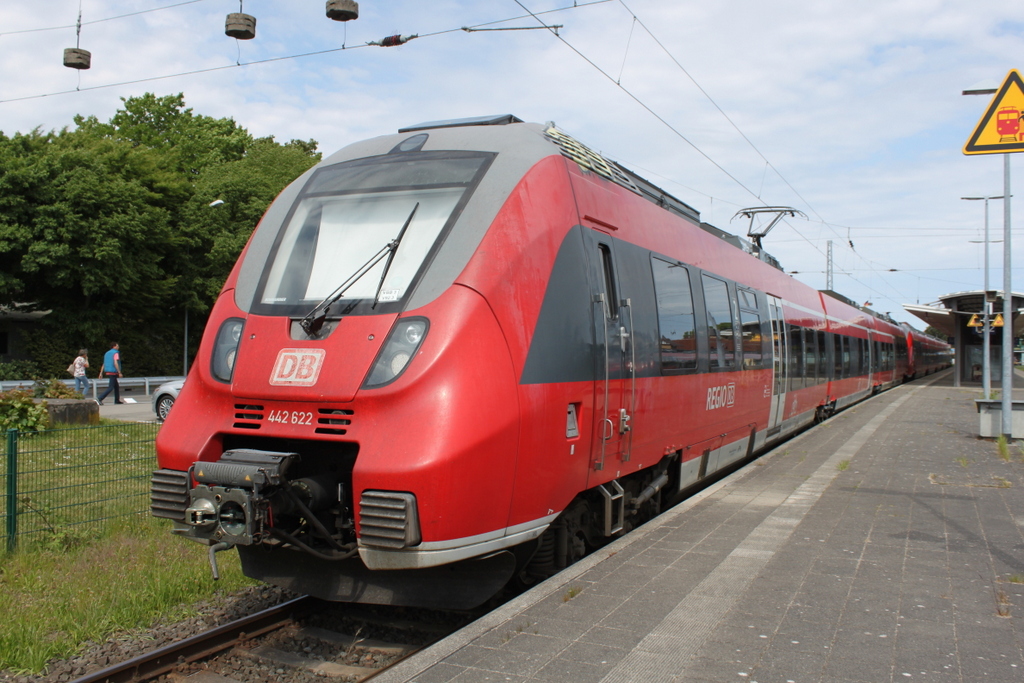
[986, 371]
[213, 205]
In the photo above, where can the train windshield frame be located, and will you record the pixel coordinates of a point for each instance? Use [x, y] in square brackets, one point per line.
[349, 211]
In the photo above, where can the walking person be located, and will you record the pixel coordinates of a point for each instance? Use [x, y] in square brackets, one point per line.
[112, 370]
[78, 368]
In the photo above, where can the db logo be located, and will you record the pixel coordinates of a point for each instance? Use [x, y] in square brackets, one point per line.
[721, 397]
[297, 367]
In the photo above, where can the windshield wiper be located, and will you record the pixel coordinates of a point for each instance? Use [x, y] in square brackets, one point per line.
[312, 323]
[393, 249]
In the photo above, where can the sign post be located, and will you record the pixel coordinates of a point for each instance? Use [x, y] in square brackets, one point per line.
[999, 132]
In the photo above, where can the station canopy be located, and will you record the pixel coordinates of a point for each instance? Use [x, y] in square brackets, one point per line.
[944, 316]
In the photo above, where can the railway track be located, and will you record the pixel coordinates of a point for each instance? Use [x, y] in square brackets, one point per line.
[305, 639]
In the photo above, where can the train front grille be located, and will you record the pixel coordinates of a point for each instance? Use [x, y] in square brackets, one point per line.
[248, 416]
[388, 519]
[333, 420]
[169, 494]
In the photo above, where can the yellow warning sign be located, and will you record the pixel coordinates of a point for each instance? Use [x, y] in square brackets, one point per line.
[975, 321]
[1001, 129]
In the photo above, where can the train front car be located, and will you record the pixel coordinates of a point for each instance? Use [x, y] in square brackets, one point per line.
[351, 421]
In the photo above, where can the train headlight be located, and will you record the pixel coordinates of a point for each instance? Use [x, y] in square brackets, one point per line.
[398, 362]
[225, 348]
[399, 348]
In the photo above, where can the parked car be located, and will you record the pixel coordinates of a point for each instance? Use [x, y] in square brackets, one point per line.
[165, 396]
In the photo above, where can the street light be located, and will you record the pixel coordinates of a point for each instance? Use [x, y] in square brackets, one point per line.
[214, 204]
[986, 372]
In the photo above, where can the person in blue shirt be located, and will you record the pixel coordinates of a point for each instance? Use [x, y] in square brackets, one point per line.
[112, 370]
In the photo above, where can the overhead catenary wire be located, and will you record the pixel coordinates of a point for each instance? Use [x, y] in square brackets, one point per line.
[635, 20]
[640, 102]
[270, 60]
[768, 163]
[98, 21]
[695, 147]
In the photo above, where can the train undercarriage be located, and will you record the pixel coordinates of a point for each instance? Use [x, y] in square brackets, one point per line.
[291, 517]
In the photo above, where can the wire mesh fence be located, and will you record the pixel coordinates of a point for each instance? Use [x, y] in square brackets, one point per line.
[60, 480]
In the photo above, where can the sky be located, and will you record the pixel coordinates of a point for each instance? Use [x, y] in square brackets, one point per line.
[851, 113]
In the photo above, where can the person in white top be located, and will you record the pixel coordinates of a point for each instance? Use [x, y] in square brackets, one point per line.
[78, 367]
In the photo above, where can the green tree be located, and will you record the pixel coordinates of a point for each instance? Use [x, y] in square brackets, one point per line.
[245, 187]
[192, 142]
[109, 227]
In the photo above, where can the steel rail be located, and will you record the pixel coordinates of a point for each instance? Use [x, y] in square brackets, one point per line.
[201, 645]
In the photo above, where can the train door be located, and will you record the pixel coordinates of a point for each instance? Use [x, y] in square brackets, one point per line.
[614, 395]
[780, 348]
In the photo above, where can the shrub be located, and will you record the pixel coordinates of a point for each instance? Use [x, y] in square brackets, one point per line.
[19, 411]
[18, 369]
[53, 388]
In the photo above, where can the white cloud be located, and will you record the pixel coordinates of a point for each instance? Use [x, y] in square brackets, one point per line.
[858, 106]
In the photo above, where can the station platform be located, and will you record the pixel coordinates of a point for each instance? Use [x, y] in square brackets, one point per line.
[886, 544]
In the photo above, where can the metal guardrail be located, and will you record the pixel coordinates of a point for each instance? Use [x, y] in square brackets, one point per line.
[98, 385]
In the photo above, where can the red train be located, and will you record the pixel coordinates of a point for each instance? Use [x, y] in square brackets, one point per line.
[472, 351]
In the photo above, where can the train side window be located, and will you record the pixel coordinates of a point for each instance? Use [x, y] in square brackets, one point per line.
[677, 332]
[837, 356]
[750, 327]
[847, 357]
[811, 357]
[822, 357]
[719, 321]
[823, 346]
[796, 357]
[611, 306]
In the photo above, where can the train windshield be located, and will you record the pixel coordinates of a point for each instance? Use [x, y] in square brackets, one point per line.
[348, 212]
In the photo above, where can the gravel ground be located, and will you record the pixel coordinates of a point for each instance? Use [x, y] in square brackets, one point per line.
[122, 646]
[406, 625]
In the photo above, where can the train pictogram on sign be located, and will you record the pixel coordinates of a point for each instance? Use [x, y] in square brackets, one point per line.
[1008, 124]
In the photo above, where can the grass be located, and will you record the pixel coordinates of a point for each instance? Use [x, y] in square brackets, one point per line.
[67, 477]
[843, 465]
[571, 593]
[1003, 604]
[1003, 447]
[964, 462]
[90, 561]
[132, 576]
